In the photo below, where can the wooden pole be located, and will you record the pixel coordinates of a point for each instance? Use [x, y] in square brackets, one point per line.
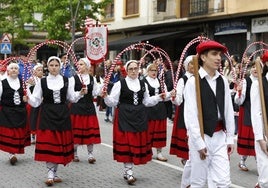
[263, 107]
[198, 96]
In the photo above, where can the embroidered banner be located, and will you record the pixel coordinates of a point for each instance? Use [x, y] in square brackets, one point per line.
[96, 43]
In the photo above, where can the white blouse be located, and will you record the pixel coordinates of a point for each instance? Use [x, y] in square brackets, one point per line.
[239, 100]
[180, 89]
[54, 83]
[134, 85]
[97, 87]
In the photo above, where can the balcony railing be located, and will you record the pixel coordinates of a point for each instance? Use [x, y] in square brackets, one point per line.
[201, 7]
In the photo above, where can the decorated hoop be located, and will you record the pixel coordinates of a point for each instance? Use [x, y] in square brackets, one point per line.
[138, 46]
[245, 63]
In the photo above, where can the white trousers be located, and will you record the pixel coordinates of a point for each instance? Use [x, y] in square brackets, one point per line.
[262, 166]
[215, 167]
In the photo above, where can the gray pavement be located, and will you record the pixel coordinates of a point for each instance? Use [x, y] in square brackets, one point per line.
[107, 173]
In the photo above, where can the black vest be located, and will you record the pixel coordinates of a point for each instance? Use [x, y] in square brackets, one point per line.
[246, 104]
[126, 93]
[132, 114]
[54, 116]
[12, 115]
[7, 98]
[159, 111]
[210, 103]
[48, 93]
[85, 105]
[181, 122]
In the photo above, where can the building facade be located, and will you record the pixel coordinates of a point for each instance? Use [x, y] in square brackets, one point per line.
[171, 24]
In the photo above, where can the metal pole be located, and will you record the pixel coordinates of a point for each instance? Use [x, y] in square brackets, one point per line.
[73, 20]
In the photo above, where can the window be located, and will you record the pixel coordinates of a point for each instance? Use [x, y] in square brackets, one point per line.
[109, 11]
[161, 5]
[132, 7]
[198, 7]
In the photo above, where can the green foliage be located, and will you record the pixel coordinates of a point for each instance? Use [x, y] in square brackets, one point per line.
[14, 14]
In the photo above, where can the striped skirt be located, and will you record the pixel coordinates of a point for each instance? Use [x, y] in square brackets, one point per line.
[157, 130]
[54, 146]
[13, 140]
[179, 139]
[86, 129]
[245, 139]
[132, 147]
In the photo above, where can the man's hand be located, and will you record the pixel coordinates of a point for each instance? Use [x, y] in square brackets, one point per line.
[203, 153]
[263, 145]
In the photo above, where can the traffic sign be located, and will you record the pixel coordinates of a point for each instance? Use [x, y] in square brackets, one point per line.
[5, 39]
[5, 48]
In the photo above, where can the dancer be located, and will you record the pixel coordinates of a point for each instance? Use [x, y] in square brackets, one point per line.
[179, 139]
[83, 114]
[33, 112]
[179, 145]
[157, 115]
[258, 119]
[54, 137]
[245, 140]
[130, 133]
[213, 146]
[13, 114]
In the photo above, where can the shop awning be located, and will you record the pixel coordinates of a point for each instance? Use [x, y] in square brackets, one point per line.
[123, 43]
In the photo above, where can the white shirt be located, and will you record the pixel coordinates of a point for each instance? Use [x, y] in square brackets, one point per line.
[134, 85]
[180, 88]
[256, 110]
[154, 82]
[191, 112]
[3, 76]
[54, 83]
[239, 100]
[86, 80]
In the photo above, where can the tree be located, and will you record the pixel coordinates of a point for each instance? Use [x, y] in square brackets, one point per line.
[13, 15]
[55, 14]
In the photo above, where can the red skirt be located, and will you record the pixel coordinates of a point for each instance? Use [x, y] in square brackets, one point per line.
[132, 147]
[13, 140]
[179, 139]
[54, 146]
[28, 130]
[86, 129]
[245, 139]
[157, 130]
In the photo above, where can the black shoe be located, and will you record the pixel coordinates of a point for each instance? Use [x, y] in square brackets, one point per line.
[107, 120]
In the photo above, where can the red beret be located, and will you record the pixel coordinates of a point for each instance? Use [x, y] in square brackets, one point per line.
[264, 57]
[210, 44]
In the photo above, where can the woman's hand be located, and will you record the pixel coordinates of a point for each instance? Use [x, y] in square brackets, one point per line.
[83, 91]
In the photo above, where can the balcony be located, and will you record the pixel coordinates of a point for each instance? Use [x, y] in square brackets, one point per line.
[201, 7]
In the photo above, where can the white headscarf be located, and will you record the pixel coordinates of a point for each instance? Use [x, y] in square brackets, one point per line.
[53, 58]
[187, 61]
[130, 61]
[12, 65]
[87, 61]
[37, 66]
